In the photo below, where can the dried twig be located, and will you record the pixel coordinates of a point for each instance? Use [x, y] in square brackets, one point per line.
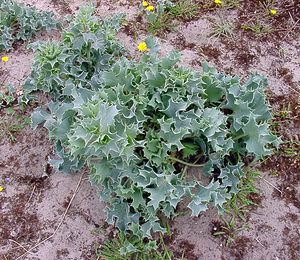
[271, 185]
[260, 243]
[292, 88]
[60, 223]
[27, 252]
[34, 187]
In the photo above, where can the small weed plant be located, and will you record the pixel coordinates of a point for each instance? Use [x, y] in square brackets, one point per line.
[220, 4]
[161, 18]
[7, 99]
[12, 122]
[12, 119]
[223, 28]
[18, 22]
[229, 230]
[137, 125]
[257, 27]
[132, 247]
[158, 18]
[240, 202]
[185, 9]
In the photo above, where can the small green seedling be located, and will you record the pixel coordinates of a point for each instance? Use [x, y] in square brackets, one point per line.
[229, 230]
[240, 202]
[131, 247]
[185, 9]
[223, 28]
[12, 123]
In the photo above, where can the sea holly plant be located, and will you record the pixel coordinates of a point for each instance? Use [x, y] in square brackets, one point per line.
[19, 22]
[78, 61]
[138, 125]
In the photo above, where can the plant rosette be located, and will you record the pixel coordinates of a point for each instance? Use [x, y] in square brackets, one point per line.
[138, 124]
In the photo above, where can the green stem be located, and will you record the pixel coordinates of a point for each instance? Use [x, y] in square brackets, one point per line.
[239, 136]
[96, 159]
[185, 163]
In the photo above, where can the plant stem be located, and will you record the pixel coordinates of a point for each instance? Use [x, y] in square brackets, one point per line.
[185, 163]
[239, 136]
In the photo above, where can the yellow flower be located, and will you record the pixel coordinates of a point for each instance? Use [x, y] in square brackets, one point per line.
[150, 8]
[142, 46]
[273, 11]
[145, 3]
[218, 2]
[5, 58]
[1, 188]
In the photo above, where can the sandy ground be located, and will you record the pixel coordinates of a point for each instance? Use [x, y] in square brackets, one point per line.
[36, 198]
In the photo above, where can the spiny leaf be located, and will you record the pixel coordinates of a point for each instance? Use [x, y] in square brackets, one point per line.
[257, 137]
